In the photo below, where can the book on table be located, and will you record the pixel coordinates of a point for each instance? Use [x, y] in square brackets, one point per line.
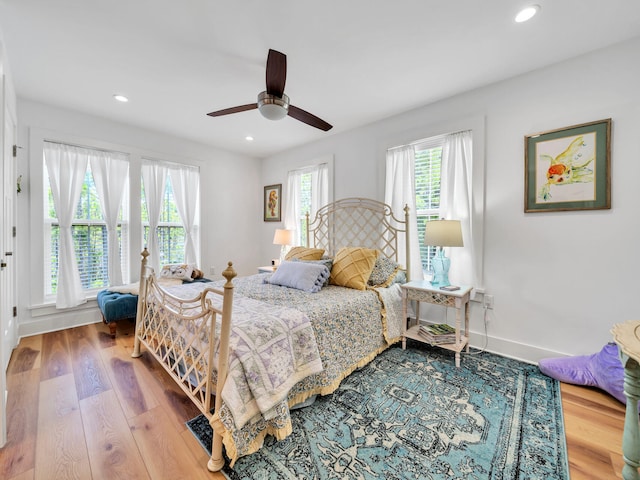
[439, 333]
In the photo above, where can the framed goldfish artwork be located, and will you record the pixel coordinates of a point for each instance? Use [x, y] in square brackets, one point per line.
[272, 203]
[568, 168]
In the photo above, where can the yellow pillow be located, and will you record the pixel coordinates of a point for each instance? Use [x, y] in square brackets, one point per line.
[304, 253]
[352, 267]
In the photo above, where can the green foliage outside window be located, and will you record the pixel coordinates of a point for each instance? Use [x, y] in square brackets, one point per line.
[170, 232]
[428, 163]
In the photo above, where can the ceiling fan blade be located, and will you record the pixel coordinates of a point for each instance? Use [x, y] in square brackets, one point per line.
[308, 118]
[276, 73]
[227, 111]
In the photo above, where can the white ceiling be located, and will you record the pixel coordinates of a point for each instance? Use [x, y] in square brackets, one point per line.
[350, 62]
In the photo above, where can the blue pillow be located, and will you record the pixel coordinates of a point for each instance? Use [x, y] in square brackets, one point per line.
[309, 277]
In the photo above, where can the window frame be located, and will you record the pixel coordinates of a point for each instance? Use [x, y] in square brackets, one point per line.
[37, 301]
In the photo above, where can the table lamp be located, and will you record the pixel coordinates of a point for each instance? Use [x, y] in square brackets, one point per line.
[284, 238]
[442, 233]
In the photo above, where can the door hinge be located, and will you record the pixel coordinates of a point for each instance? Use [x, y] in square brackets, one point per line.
[15, 311]
[15, 151]
[14, 231]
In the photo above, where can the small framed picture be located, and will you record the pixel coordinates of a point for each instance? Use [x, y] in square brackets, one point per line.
[568, 168]
[272, 203]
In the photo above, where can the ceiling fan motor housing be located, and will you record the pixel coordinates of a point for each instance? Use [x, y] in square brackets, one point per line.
[273, 107]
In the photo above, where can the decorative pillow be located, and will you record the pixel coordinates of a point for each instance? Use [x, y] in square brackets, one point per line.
[181, 271]
[304, 253]
[306, 276]
[327, 262]
[352, 267]
[384, 272]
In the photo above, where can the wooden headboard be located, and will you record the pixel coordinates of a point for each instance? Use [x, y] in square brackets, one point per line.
[360, 222]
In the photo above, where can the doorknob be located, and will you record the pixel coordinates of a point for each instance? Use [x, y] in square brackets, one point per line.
[3, 264]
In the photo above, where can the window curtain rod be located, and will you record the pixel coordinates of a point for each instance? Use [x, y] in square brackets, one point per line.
[169, 164]
[94, 149]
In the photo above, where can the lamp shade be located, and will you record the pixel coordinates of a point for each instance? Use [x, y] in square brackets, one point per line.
[443, 233]
[283, 237]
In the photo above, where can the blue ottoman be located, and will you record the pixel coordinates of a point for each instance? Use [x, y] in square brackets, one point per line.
[115, 307]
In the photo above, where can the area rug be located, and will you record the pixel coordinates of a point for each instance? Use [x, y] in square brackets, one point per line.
[411, 414]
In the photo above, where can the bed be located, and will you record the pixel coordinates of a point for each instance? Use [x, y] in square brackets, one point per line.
[275, 347]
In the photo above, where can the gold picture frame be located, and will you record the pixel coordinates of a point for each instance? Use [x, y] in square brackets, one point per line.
[272, 203]
[568, 168]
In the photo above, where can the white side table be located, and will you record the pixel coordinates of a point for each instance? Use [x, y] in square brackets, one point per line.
[423, 291]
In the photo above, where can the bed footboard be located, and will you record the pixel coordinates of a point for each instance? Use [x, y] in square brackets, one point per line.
[181, 334]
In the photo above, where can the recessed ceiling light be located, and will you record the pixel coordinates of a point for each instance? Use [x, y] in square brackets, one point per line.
[527, 13]
[249, 138]
[120, 98]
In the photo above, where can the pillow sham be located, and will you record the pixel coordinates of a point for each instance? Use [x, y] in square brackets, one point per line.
[327, 262]
[180, 271]
[352, 267]
[304, 253]
[384, 272]
[305, 276]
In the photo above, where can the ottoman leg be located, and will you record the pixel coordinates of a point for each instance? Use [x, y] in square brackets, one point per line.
[112, 329]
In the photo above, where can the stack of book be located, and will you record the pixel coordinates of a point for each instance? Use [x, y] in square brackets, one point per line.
[437, 334]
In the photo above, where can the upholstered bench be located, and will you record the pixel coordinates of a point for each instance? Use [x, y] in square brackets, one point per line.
[115, 307]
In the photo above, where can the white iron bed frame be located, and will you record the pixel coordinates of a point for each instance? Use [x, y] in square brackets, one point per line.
[349, 222]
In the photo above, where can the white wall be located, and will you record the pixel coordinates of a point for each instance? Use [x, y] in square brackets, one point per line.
[562, 279]
[231, 195]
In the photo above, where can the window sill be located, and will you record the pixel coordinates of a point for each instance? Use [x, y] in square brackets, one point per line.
[49, 308]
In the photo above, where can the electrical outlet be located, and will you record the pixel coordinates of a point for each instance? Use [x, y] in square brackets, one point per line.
[212, 270]
[487, 301]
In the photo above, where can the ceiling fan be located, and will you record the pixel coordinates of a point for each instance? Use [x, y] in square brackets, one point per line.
[273, 103]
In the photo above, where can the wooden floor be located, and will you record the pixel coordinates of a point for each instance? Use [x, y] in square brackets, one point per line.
[80, 407]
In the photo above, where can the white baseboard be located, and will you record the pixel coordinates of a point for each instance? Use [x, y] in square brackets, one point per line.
[508, 348]
[59, 321]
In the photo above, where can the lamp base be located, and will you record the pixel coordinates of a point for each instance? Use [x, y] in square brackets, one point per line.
[440, 266]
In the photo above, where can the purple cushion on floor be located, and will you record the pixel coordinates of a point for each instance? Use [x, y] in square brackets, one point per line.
[602, 370]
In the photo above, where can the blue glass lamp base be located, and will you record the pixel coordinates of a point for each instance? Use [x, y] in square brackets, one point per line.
[440, 265]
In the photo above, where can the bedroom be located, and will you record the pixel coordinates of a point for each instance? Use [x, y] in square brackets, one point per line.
[534, 264]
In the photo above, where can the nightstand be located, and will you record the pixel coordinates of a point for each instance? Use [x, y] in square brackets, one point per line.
[423, 291]
[267, 269]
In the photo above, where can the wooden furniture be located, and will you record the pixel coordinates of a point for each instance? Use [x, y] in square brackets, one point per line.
[267, 269]
[169, 326]
[422, 291]
[627, 336]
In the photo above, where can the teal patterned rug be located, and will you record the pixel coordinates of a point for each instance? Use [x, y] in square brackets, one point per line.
[413, 415]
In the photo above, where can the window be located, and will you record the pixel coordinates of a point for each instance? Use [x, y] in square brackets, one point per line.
[307, 191]
[305, 207]
[89, 233]
[428, 162]
[170, 232]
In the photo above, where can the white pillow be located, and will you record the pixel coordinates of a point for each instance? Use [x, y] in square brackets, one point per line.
[181, 271]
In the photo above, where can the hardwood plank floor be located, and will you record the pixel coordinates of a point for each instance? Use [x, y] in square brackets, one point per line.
[80, 407]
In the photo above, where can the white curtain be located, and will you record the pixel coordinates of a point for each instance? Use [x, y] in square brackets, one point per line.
[110, 169]
[400, 191]
[154, 177]
[319, 195]
[456, 203]
[66, 166]
[186, 184]
[319, 188]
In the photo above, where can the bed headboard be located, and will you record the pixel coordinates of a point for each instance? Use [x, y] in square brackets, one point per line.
[360, 222]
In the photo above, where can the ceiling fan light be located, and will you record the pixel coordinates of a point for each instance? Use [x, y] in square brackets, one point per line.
[272, 107]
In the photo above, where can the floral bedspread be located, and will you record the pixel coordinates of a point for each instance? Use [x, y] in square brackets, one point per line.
[271, 348]
[351, 327]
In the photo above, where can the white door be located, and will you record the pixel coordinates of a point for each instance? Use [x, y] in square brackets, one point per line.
[8, 322]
